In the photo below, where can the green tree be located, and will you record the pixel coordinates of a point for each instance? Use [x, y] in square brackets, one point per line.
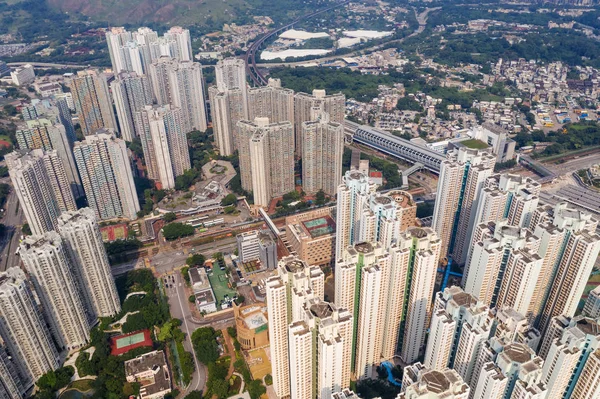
[230, 199]
[194, 395]
[268, 379]
[205, 344]
[84, 365]
[176, 230]
[320, 197]
[169, 217]
[256, 389]
[195, 260]
[26, 230]
[220, 388]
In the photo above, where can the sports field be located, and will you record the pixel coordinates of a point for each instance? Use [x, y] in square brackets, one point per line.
[130, 340]
[114, 232]
[124, 343]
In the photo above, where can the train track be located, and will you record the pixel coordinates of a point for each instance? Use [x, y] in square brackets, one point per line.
[250, 57]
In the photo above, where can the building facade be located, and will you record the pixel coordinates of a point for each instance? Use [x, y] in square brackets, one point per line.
[106, 175]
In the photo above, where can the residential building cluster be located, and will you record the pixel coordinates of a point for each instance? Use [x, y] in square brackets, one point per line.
[270, 127]
[510, 330]
[51, 306]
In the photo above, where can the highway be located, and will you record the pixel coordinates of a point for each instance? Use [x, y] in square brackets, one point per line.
[421, 18]
[573, 164]
[250, 56]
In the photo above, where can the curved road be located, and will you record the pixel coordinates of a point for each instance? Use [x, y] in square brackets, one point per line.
[421, 18]
[250, 56]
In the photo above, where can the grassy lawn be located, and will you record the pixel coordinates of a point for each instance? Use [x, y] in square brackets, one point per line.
[82, 385]
[475, 144]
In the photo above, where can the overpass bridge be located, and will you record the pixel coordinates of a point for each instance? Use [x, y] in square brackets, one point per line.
[395, 146]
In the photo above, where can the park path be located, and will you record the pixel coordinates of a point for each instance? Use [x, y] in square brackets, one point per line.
[230, 350]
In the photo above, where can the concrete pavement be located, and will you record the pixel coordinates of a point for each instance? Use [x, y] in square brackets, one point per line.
[573, 164]
[178, 303]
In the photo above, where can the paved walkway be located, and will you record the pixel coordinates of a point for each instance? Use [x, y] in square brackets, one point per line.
[230, 350]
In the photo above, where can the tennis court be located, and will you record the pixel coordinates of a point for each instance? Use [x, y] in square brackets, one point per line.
[130, 340]
[124, 343]
[320, 226]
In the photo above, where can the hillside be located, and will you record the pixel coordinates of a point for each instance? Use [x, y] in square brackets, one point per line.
[185, 12]
[204, 15]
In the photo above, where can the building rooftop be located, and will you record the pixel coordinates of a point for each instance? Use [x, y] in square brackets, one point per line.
[293, 264]
[321, 310]
[363, 247]
[159, 379]
[199, 279]
[320, 226]
[436, 381]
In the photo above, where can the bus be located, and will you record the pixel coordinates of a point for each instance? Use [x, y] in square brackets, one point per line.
[197, 222]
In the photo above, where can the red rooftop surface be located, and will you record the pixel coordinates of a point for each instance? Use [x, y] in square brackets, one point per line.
[121, 344]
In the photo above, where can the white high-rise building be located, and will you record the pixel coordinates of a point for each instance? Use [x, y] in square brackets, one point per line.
[588, 384]
[266, 158]
[227, 109]
[134, 51]
[519, 280]
[271, 101]
[229, 103]
[42, 187]
[23, 329]
[277, 305]
[488, 257]
[592, 304]
[106, 175]
[507, 196]
[574, 262]
[491, 384]
[131, 92]
[83, 241]
[48, 135]
[47, 262]
[182, 50]
[301, 362]
[164, 143]
[116, 38]
[462, 177]
[459, 325]
[368, 328]
[92, 100]
[305, 106]
[420, 382]
[425, 250]
[570, 347]
[512, 350]
[331, 331]
[323, 148]
[392, 309]
[355, 220]
[230, 73]
[287, 293]
[180, 84]
[11, 386]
